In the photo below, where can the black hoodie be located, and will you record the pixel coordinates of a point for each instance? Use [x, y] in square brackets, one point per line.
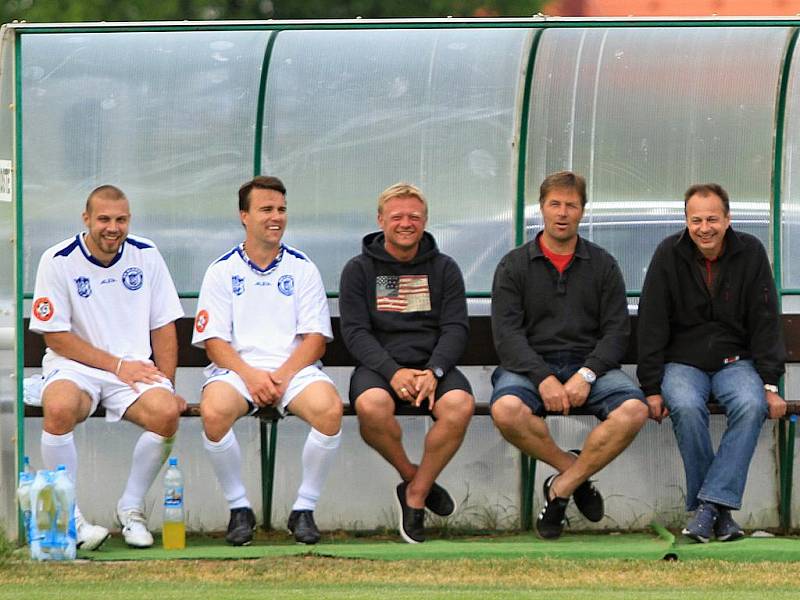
[680, 321]
[422, 321]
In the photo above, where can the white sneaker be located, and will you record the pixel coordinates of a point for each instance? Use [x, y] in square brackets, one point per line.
[90, 537]
[134, 528]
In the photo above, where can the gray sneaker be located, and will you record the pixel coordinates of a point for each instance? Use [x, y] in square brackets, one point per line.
[725, 528]
[701, 527]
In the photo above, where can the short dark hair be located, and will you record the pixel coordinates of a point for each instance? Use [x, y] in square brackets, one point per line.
[563, 179]
[261, 182]
[705, 190]
[108, 191]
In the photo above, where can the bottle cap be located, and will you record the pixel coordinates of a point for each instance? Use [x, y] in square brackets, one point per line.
[61, 468]
[173, 461]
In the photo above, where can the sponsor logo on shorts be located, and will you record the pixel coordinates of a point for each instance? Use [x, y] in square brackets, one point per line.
[286, 285]
[237, 282]
[84, 287]
[201, 321]
[43, 309]
[133, 278]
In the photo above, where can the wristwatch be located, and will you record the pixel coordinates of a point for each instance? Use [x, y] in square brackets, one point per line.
[771, 388]
[588, 375]
[438, 372]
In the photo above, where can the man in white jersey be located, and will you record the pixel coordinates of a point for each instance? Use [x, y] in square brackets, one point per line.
[105, 303]
[263, 319]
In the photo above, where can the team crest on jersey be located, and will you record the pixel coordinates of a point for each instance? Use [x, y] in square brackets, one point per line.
[43, 309]
[84, 287]
[286, 285]
[238, 285]
[133, 278]
[201, 321]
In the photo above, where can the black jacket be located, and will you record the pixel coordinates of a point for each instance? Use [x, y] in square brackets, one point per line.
[537, 311]
[680, 321]
[385, 340]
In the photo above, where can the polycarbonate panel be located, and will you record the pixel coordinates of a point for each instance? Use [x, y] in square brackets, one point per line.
[169, 117]
[645, 113]
[8, 302]
[349, 113]
[790, 188]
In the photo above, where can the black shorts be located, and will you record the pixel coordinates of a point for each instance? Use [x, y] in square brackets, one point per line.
[364, 378]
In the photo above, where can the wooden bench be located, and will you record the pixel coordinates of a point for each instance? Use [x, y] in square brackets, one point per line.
[480, 352]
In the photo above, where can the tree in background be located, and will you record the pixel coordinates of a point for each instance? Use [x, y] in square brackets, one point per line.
[57, 11]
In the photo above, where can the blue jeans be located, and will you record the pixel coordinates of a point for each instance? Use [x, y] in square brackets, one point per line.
[739, 389]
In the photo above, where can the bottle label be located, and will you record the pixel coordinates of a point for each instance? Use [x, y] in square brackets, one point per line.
[174, 497]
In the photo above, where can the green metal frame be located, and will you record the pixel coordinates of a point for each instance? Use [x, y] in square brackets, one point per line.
[786, 441]
[527, 463]
[269, 437]
[19, 262]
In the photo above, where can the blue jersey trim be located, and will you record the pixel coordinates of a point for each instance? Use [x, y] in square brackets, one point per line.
[227, 255]
[254, 267]
[137, 244]
[296, 253]
[69, 248]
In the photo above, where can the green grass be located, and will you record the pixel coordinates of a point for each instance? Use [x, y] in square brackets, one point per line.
[320, 577]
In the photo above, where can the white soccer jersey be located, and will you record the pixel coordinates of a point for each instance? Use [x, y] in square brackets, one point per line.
[262, 312]
[112, 307]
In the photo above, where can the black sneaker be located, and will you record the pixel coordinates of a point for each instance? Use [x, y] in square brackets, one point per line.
[301, 524]
[550, 522]
[701, 527]
[725, 528]
[241, 526]
[439, 501]
[412, 520]
[588, 499]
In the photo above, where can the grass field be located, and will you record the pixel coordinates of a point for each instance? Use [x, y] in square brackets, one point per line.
[322, 577]
[586, 567]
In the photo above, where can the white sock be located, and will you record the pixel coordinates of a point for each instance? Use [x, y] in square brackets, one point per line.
[60, 450]
[318, 453]
[226, 458]
[149, 454]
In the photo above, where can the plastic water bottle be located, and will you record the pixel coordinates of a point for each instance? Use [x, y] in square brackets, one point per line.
[174, 530]
[52, 498]
[26, 477]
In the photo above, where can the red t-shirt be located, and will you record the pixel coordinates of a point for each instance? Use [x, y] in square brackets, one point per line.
[560, 261]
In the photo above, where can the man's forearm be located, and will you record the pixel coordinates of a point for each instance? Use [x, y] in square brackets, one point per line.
[69, 345]
[164, 342]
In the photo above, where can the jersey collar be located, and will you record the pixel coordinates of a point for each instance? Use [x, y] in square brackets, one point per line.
[254, 267]
[88, 255]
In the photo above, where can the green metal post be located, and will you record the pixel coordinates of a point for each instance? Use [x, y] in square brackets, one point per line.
[269, 441]
[18, 254]
[784, 444]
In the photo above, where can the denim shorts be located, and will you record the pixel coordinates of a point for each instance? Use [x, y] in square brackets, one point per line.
[608, 392]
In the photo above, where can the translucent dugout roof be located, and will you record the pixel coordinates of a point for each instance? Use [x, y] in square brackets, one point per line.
[474, 112]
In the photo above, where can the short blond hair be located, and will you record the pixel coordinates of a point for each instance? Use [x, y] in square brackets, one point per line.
[401, 190]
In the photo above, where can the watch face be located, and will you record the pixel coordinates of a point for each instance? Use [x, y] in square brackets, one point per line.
[438, 372]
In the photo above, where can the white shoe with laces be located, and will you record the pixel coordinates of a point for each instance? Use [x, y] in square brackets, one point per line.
[134, 528]
[89, 536]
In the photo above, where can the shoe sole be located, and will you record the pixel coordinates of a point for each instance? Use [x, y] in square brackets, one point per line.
[455, 506]
[400, 528]
[732, 537]
[546, 491]
[696, 537]
[91, 548]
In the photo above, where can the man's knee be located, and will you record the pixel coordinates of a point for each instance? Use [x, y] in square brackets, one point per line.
[633, 411]
[61, 404]
[217, 415]
[456, 408]
[507, 412]
[374, 404]
[164, 415]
